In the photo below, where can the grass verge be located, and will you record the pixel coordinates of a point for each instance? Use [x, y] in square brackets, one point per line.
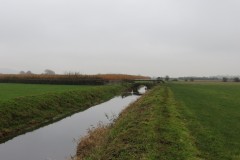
[151, 128]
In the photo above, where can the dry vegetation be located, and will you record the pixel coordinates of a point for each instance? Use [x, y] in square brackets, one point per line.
[73, 79]
[93, 140]
[52, 79]
[121, 77]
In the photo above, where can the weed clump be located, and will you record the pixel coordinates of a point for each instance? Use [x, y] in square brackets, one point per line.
[92, 141]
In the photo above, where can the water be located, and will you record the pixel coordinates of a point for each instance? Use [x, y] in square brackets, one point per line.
[142, 90]
[58, 141]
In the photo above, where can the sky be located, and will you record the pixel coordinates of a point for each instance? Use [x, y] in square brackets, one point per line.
[146, 37]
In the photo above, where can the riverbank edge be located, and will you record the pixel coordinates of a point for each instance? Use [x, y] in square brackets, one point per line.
[150, 128]
[28, 113]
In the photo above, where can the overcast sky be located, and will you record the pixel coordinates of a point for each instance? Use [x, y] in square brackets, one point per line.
[147, 37]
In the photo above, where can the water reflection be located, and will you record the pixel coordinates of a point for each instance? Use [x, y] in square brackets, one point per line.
[142, 90]
[57, 141]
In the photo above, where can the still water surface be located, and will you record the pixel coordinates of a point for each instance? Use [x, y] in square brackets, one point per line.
[57, 141]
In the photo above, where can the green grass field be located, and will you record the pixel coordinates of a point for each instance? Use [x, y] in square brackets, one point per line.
[13, 90]
[212, 113]
[176, 121]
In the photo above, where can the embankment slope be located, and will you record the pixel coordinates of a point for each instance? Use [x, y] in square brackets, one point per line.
[151, 128]
[21, 114]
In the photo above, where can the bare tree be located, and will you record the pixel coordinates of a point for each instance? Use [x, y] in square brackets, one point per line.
[49, 72]
[167, 78]
[159, 79]
[29, 72]
[225, 79]
[236, 79]
[22, 72]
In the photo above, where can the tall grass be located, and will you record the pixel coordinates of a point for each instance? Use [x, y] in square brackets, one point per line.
[53, 79]
[121, 77]
[68, 79]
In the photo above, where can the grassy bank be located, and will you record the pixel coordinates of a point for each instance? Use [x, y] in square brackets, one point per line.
[25, 112]
[179, 121]
[151, 128]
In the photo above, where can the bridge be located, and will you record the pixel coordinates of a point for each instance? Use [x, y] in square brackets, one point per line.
[149, 80]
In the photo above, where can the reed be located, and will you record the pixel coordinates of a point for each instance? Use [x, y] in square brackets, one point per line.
[68, 79]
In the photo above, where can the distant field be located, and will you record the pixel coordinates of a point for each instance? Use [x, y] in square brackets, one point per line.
[11, 90]
[212, 114]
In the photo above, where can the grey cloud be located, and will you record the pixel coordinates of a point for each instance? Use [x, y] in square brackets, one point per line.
[188, 37]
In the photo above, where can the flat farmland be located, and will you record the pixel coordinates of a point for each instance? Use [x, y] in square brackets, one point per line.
[211, 112]
[13, 90]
